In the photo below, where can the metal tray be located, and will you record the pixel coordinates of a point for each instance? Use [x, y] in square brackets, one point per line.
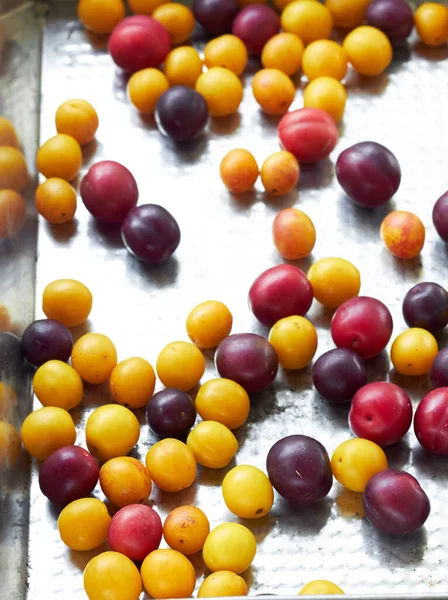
[225, 244]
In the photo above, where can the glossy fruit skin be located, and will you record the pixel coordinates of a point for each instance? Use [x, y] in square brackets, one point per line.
[293, 234]
[431, 422]
[279, 292]
[183, 65]
[145, 88]
[368, 173]
[171, 464]
[111, 431]
[69, 473]
[327, 94]
[13, 170]
[150, 233]
[255, 25]
[177, 19]
[68, 301]
[299, 454]
[136, 45]
[132, 382]
[212, 444]
[431, 22]
[273, 90]
[368, 50]
[209, 323]
[414, 351]
[324, 58]
[77, 118]
[308, 133]
[180, 365]
[99, 16]
[224, 401]
[295, 342]
[145, 7]
[320, 587]
[60, 156]
[46, 340]
[439, 369]
[55, 201]
[229, 547]
[226, 51]
[12, 213]
[239, 171]
[310, 21]
[380, 412]
[280, 173]
[125, 480]
[347, 13]
[440, 216]
[284, 52]
[109, 191]
[170, 413]
[362, 324]
[56, 383]
[334, 281]
[215, 16]
[338, 374]
[135, 531]
[222, 91]
[94, 357]
[222, 583]
[181, 114]
[355, 461]
[168, 574]
[248, 359]
[47, 429]
[247, 492]
[426, 306]
[112, 576]
[393, 17]
[83, 524]
[394, 502]
[185, 529]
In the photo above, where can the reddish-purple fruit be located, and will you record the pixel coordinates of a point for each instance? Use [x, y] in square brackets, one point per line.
[281, 291]
[68, 474]
[181, 113]
[171, 413]
[368, 173]
[380, 412]
[44, 340]
[215, 16]
[299, 468]
[255, 25]
[431, 421]
[439, 369]
[362, 324]
[248, 359]
[426, 306]
[440, 216]
[139, 42]
[150, 233]
[394, 502]
[135, 531]
[338, 374]
[109, 191]
[393, 17]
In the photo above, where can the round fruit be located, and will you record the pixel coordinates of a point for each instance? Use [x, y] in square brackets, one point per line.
[440, 216]
[145, 7]
[68, 301]
[46, 340]
[83, 524]
[226, 51]
[47, 429]
[135, 531]
[369, 173]
[293, 233]
[347, 13]
[274, 91]
[299, 469]
[56, 383]
[327, 94]
[248, 359]
[109, 191]
[224, 401]
[145, 88]
[324, 58]
[431, 22]
[334, 281]
[168, 574]
[12, 213]
[125, 480]
[212, 444]
[279, 292]
[177, 19]
[222, 91]
[280, 173]
[320, 587]
[368, 50]
[362, 324]
[183, 65]
[112, 576]
[132, 382]
[209, 323]
[8, 134]
[77, 118]
[426, 306]
[394, 502]
[394, 18]
[338, 374]
[171, 413]
[55, 201]
[439, 369]
[414, 351]
[431, 422]
[185, 529]
[181, 113]
[111, 430]
[309, 20]
[308, 133]
[215, 16]
[239, 171]
[60, 156]
[94, 357]
[180, 365]
[295, 341]
[229, 547]
[247, 492]
[380, 412]
[222, 583]
[255, 25]
[355, 461]
[283, 52]
[13, 170]
[101, 16]
[171, 465]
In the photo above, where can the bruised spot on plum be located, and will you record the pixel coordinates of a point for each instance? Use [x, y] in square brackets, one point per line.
[260, 510]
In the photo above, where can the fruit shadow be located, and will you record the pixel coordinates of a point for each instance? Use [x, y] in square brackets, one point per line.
[316, 176]
[399, 454]
[415, 387]
[348, 504]
[434, 54]
[378, 367]
[160, 276]
[354, 82]
[242, 203]
[62, 234]
[80, 559]
[261, 528]
[361, 223]
[302, 521]
[120, 84]
[168, 501]
[278, 203]
[80, 330]
[394, 551]
[188, 153]
[225, 125]
[320, 316]
[214, 477]
[90, 151]
[430, 465]
[336, 414]
[105, 234]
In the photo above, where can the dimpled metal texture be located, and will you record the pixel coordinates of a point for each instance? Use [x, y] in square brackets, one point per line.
[226, 243]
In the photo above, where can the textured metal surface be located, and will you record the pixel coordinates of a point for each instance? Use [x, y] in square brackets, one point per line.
[225, 244]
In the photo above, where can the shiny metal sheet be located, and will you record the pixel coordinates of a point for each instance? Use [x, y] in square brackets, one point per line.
[225, 244]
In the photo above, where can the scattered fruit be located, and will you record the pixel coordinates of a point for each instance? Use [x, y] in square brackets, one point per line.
[68, 301]
[132, 382]
[177, 19]
[185, 529]
[239, 171]
[209, 323]
[338, 374]
[280, 173]
[94, 357]
[145, 87]
[295, 341]
[55, 201]
[283, 52]
[125, 480]
[111, 431]
[273, 90]
[171, 464]
[83, 524]
[414, 351]
[47, 429]
[112, 575]
[168, 574]
[56, 383]
[368, 50]
[356, 461]
[213, 444]
[60, 157]
[229, 547]
[135, 531]
[77, 118]
[334, 281]
[224, 401]
[247, 492]
[293, 233]
[171, 413]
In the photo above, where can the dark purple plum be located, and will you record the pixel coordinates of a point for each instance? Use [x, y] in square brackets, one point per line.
[171, 413]
[68, 474]
[255, 25]
[248, 359]
[215, 16]
[150, 233]
[369, 173]
[394, 17]
[426, 306]
[395, 503]
[181, 113]
[439, 369]
[338, 375]
[46, 340]
[299, 468]
[440, 216]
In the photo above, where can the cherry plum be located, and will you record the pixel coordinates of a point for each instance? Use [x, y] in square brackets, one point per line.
[426, 306]
[431, 421]
[135, 531]
[338, 375]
